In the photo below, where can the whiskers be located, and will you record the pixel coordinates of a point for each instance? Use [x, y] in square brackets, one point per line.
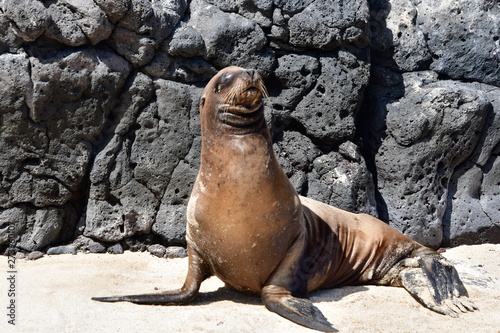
[265, 94]
[263, 89]
[234, 95]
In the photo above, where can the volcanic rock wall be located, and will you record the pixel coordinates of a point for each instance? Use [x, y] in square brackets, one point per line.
[386, 107]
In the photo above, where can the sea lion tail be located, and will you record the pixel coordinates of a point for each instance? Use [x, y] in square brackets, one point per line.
[166, 298]
[198, 271]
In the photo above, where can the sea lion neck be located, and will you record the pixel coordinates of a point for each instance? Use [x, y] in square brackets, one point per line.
[224, 145]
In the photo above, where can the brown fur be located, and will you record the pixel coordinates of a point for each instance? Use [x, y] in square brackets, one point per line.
[248, 226]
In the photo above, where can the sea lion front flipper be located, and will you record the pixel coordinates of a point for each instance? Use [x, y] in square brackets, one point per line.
[299, 310]
[198, 271]
[435, 283]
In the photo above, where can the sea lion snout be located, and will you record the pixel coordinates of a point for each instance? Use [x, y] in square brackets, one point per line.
[246, 90]
[253, 93]
[251, 75]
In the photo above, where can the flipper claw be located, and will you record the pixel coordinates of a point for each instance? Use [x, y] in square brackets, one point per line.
[437, 286]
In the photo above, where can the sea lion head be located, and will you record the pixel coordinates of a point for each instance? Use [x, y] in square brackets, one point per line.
[233, 101]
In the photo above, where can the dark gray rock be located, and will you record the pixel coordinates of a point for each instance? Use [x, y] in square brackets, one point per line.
[115, 249]
[49, 121]
[76, 22]
[342, 182]
[170, 224]
[231, 39]
[10, 39]
[77, 87]
[92, 21]
[345, 23]
[258, 11]
[143, 27]
[472, 213]
[153, 19]
[14, 81]
[396, 36]
[135, 245]
[125, 202]
[180, 69]
[137, 49]
[279, 31]
[180, 184]
[63, 249]
[112, 172]
[63, 26]
[86, 244]
[114, 9]
[157, 250]
[443, 37]
[176, 252]
[35, 255]
[340, 179]
[36, 228]
[138, 91]
[297, 75]
[292, 6]
[469, 219]
[295, 152]
[490, 190]
[454, 32]
[186, 42]
[131, 211]
[164, 137]
[96, 247]
[99, 120]
[327, 111]
[30, 18]
[422, 148]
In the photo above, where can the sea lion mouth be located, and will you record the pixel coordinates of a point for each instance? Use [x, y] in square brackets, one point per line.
[241, 115]
[243, 105]
[244, 97]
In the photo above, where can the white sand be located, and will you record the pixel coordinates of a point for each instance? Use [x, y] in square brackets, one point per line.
[53, 295]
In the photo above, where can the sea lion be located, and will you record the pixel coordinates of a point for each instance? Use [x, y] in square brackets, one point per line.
[247, 225]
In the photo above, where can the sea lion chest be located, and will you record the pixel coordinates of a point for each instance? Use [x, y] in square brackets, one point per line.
[243, 212]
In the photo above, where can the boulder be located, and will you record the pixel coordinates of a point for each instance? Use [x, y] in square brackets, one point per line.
[455, 39]
[472, 213]
[328, 111]
[231, 39]
[341, 179]
[422, 148]
[30, 17]
[131, 173]
[326, 25]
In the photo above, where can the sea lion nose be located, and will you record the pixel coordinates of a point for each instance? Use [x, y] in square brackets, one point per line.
[251, 74]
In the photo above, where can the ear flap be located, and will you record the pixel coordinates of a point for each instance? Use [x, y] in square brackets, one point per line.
[202, 101]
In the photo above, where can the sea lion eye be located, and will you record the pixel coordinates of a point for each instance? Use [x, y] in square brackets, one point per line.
[224, 80]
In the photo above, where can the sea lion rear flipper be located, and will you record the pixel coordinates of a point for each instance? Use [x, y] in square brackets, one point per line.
[165, 298]
[299, 310]
[436, 284]
[198, 271]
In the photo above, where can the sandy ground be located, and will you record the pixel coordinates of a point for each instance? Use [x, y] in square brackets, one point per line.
[53, 295]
